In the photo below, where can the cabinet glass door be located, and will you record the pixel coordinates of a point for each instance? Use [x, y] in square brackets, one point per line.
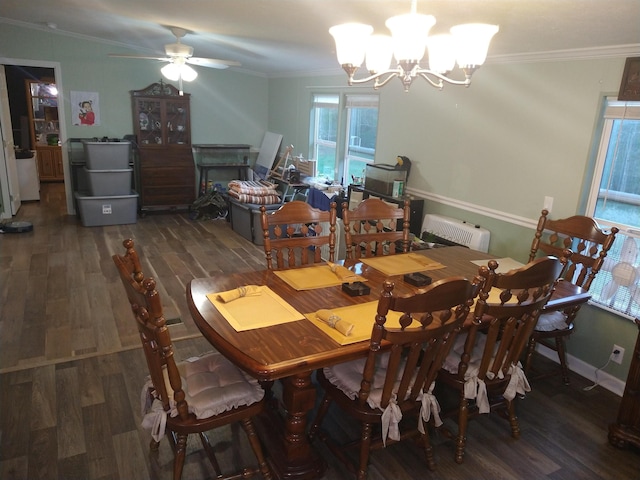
[149, 115]
[44, 113]
[177, 123]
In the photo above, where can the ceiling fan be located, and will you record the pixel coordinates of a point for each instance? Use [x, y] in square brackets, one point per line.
[178, 55]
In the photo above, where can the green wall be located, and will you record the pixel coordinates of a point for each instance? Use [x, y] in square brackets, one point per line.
[488, 154]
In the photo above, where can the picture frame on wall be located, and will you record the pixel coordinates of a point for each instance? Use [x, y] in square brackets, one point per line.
[85, 108]
[630, 85]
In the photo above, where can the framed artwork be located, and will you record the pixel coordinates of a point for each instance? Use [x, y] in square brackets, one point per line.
[85, 108]
[630, 86]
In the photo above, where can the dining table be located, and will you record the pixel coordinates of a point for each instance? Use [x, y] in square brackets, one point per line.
[291, 351]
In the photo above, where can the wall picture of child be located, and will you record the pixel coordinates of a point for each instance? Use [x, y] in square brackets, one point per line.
[85, 108]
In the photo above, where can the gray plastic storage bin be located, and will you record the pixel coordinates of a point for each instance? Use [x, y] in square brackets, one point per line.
[109, 182]
[245, 220]
[106, 155]
[107, 210]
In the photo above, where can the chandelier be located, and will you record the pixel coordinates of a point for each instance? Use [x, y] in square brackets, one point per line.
[467, 44]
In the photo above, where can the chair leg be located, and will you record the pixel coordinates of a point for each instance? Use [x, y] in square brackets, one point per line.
[180, 453]
[428, 449]
[210, 453]
[563, 359]
[365, 446]
[322, 411]
[463, 418]
[247, 426]
[513, 419]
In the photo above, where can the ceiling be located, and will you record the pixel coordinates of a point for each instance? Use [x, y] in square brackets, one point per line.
[275, 37]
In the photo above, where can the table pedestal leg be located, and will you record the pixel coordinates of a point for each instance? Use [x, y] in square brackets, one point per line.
[291, 455]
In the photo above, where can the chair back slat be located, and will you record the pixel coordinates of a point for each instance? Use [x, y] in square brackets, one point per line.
[510, 314]
[375, 228]
[416, 352]
[295, 234]
[580, 234]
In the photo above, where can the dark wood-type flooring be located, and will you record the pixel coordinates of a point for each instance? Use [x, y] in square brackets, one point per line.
[71, 369]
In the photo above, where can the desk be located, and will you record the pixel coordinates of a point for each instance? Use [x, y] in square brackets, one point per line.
[292, 351]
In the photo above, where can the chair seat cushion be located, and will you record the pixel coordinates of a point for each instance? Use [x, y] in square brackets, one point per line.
[347, 377]
[548, 322]
[212, 385]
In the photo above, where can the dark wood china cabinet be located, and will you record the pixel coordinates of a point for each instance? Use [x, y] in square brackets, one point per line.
[161, 122]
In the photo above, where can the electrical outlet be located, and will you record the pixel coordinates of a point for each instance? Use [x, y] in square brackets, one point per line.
[617, 354]
[548, 203]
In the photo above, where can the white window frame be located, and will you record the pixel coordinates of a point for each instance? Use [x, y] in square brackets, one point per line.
[623, 256]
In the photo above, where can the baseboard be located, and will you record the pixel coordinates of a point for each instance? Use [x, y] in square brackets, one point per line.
[605, 380]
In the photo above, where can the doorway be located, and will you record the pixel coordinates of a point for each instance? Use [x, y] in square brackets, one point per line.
[16, 90]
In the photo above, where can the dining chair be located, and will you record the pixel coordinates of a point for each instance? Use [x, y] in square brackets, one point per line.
[296, 233]
[375, 227]
[483, 368]
[191, 397]
[396, 378]
[589, 244]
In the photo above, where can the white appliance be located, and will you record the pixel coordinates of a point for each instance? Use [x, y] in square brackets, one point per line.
[28, 180]
[457, 231]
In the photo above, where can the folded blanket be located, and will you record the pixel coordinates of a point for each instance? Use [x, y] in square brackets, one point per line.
[257, 199]
[253, 188]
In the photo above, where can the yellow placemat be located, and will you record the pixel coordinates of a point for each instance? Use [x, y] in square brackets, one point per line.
[504, 264]
[308, 278]
[256, 311]
[402, 263]
[362, 316]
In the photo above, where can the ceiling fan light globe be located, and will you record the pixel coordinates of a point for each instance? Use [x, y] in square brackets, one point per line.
[187, 73]
[171, 71]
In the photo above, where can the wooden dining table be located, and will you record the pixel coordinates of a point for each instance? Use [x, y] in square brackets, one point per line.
[290, 352]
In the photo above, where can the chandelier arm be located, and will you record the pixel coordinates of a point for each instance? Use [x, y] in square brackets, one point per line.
[375, 76]
[425, 73]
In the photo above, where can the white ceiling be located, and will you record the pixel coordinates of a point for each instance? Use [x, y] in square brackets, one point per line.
[272, 37]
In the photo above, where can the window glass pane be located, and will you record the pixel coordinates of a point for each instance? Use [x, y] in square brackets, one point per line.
[619, 194]
[361, 134]
[325, 134]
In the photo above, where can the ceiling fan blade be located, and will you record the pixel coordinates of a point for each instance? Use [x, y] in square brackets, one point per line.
[212, 62]
[144, 57]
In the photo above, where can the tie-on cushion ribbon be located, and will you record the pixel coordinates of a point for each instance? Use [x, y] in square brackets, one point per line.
[430, 406]
[245, 291]
[518, 382]
[155, 420]
[390, 422]
[334, 321]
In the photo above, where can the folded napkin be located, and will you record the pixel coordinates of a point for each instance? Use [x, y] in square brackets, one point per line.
[246, 291]
[343, 273]
[334, 321]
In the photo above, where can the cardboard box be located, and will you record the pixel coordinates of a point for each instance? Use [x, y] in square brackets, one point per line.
[107, 210]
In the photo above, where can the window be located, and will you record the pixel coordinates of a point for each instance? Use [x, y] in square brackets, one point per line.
[343, 137]
[614, 199]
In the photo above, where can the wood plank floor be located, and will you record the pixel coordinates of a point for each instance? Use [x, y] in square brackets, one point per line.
[71, 369]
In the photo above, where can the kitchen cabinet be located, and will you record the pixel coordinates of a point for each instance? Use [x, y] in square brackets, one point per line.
[161, 123]
[44, 128]
[50, 167]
